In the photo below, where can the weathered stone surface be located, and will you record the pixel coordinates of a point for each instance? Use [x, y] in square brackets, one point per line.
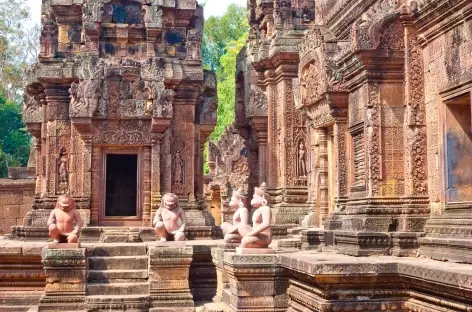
[168, 278]
[66, 278]
[112, 77]
[256, 282]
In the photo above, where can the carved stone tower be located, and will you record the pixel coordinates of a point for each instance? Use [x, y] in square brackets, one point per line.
[119, 105]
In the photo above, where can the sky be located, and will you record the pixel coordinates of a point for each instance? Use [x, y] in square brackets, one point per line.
[212, 7]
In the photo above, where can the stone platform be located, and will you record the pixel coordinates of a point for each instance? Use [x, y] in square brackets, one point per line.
[119, 279]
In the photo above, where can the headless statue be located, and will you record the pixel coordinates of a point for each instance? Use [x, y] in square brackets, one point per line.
[241, 216]
[259, 235]
[167, 217]
[61, 221]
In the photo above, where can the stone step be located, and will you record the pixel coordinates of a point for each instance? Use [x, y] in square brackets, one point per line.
[117, 289]
[112, 250]
[118, 263]
[214, 307]
[100, 275]
[133, 303]
[13, 308]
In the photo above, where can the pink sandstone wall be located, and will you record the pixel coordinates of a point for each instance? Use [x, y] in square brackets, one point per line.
[447, 62]
[16, 197]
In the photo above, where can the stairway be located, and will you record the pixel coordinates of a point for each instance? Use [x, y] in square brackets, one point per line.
[118, 278]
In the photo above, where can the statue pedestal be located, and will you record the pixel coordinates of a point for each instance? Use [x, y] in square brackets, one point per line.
[66, 280]
[257, 282]
[254, 251]
[63, 245]
[169, 278]
[222, 279]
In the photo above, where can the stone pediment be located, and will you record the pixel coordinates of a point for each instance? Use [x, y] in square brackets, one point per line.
[377, 28]
[128, 89]
[258, 104]
[318, 67]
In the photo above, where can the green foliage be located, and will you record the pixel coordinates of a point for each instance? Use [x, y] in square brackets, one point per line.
[14, 139]
[223, 38]
[18, 47]
[219, 31]
[227, 86]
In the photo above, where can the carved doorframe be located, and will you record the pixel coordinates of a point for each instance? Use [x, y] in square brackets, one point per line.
[446, 97]
[120, 221]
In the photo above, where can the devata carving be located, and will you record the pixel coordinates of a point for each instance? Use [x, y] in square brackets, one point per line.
[63, 172]
[178, 168]
[301, 164]
[165, 108]
[193, 45]
[48, 38]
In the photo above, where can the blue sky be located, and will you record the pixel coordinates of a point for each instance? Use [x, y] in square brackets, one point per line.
[212, 7]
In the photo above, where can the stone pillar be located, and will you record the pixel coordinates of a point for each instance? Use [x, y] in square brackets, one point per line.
[257, 283]
[260, 125]
[323, 174]
[66, 279]
[155, 173]
[169, 279]
[334, 219]
[58, 136]
[372, 141]
[222, 278]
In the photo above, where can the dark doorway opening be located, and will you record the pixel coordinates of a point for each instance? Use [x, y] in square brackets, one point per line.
[121, 185]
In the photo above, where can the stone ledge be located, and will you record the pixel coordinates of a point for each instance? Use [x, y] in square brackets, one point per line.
[312, 263]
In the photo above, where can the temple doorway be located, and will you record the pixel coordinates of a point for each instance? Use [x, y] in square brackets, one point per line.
[215, 206]
[120, 188]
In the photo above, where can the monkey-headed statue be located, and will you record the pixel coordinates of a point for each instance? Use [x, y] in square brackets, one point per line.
[61, 221]
[259, 235]
[167, 217]
[240, 217]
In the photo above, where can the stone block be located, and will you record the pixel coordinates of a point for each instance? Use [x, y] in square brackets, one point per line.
[222, 279]
[63, 245]
[168, 278]
[362, 243]
[11, 211]
[254, 251]
[66, 278]
[255, 281]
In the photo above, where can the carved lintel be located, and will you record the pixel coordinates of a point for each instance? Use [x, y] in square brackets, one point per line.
[159, 125]
[35, 129]
[83, 125]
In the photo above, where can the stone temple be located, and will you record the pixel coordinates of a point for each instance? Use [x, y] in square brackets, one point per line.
[355, 114]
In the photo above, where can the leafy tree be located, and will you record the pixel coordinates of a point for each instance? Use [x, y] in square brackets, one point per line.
[219, 31]
[18, 46]
[14, 139]
[225, 74]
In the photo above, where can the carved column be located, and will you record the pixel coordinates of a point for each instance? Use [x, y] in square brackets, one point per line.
[166, 163]
[260, 126]
[87, 165]
[323, 199]
[272, 137]
[155, 172]
[340, 160]
[58, 133]
[415, 123]
[372, 136]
